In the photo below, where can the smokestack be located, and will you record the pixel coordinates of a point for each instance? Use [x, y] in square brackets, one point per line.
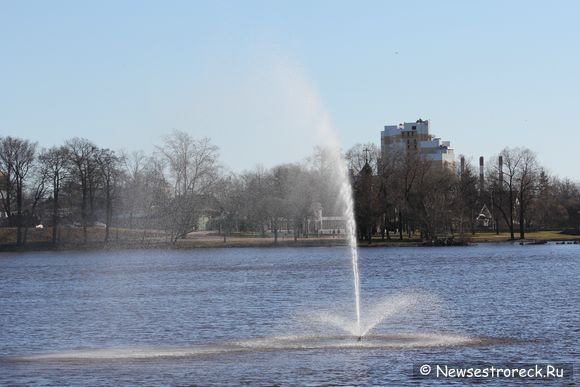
[480, 174]
[500, 162]
[462, 165]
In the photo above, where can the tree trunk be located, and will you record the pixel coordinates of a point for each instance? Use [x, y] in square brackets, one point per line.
[400, 225]
[511, 225]
[84, 212]
[109, 212]
[54, 214]
[522, 224]
[19, 211]
[7, 199]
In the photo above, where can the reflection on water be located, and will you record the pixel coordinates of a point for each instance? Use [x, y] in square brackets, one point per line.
[264, 316]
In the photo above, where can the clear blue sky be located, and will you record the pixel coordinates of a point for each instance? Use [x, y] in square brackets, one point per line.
[252, 74]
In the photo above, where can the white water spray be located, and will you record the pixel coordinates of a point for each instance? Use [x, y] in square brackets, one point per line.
[346, 195]
[304, 101]
[346, 198]
[410, 307]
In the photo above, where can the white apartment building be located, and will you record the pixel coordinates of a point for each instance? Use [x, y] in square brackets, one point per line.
[414, 137]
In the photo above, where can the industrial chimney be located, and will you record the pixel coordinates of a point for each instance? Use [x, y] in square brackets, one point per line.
[481, 174]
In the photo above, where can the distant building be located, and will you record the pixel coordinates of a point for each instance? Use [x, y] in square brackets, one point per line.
[326, 225]
[485, 218]
[414, 137]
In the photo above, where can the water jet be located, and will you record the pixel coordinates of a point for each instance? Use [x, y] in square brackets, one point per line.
[346, 196]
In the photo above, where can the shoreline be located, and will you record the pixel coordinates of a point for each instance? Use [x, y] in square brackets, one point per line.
[241, 242]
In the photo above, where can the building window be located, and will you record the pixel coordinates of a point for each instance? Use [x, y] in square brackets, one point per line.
[414, 127]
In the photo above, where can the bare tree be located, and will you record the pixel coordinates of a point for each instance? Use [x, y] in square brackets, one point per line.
[504, 182]
[411, 169]
[568, 194]
[109, 172]
[299, 198]
[56, 163]
[432, 201]
[256, 186]
[156, 196]
[17, 156]
[229, 195]
[526, 179]
[81, 152]
[274, 200]
[326, 182]
[6, 160]
[468, 201]
[37, 190]
[387, 169]
[513, 186]
[134, 166]
[194, 168]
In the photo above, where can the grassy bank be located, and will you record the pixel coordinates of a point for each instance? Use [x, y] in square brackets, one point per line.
[119, 238]
[488, 237]
[541, 236]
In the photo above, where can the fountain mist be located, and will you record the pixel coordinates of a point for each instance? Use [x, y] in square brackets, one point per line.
[301, 95]
[346, 198]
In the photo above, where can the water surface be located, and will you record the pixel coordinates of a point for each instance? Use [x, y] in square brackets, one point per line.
[263, 316]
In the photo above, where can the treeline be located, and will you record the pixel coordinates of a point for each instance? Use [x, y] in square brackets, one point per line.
[410, 195]
[181, 187]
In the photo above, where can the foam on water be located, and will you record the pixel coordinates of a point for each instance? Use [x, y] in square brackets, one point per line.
[276, 343]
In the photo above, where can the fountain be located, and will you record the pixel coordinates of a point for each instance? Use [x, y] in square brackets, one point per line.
[345, 195]
[390, 306]
[348, 202]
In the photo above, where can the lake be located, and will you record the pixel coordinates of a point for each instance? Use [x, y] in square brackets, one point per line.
[283, 316]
